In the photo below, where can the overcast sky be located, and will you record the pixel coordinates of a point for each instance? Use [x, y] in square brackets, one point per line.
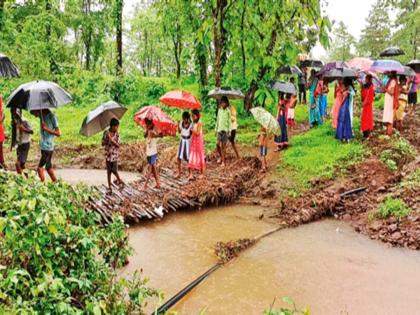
[352, 12]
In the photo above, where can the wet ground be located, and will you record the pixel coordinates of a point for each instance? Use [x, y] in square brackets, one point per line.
[324, 265]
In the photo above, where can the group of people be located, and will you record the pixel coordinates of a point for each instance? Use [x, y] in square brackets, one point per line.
[21, 135]
[191, 146]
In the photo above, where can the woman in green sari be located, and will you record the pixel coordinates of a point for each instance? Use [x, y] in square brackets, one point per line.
[314, 113]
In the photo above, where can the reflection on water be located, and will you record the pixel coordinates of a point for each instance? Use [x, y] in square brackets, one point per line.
[324, 265]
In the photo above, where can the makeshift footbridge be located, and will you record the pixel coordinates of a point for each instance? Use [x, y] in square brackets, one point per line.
[220, 185]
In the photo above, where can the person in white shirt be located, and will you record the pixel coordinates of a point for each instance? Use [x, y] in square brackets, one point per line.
[151, 135]
[23, 140]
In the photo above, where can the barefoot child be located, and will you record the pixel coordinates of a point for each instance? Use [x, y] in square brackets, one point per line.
[151, 135]
[111, 142]
[23, 131]
[263, 147]
[223, 127]
[184, 130]
[197, 158]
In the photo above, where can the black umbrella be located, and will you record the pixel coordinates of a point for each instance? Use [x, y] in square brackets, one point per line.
[336, 74]
[226, 91]
[311, 63]
[392, 51]
[38, 95]
[289, 70]
[408, 72]
[285, 87]
[7, 68]
[415, 65]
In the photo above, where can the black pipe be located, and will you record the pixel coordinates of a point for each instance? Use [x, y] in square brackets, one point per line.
[171, 302]
[352, 192]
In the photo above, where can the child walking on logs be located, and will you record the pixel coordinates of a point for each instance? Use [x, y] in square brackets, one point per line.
[22, 137]
[111, 142]
[184, 129]
[223, 127]
[151, 135]
[263, 142]
[197, 158]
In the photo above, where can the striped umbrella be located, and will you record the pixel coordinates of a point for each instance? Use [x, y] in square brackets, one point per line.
[384, 65]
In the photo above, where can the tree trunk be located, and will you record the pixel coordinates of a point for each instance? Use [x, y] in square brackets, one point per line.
[2, 14]
[202, 62]
[242, 41]
[53, 64]
[219, 39]
[119, 40]
[415, 33]
[176, 38]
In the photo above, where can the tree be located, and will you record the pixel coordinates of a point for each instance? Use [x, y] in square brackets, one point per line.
[376, 35]
[343, 43]
[407, 23]
[118, 22]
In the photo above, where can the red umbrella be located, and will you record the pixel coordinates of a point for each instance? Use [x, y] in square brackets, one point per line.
[360, 63]
[161, 121]
[181, 99]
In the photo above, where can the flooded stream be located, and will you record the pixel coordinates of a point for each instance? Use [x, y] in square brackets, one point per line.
[325, 266]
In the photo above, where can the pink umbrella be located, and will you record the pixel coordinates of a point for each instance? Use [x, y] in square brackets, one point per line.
[383, 66]
[181, 99]
[360, 63]
[161, 121]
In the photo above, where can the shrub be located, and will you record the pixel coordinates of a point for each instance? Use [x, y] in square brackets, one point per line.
[291, 310]
[55, 257]
[393, 207]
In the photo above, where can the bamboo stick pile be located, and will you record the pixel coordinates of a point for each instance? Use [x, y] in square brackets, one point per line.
[216, 188]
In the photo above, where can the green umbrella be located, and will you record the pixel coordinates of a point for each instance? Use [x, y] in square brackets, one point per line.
[265, 119]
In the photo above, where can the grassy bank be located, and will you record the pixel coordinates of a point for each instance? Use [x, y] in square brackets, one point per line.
[317, 155]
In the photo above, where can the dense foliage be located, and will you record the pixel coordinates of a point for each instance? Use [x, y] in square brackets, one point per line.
[56, 258]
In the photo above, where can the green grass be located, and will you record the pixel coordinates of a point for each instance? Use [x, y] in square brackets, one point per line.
[317, 154]
[395, 207]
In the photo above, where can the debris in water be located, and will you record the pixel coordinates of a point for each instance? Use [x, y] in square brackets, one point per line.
[230, 250]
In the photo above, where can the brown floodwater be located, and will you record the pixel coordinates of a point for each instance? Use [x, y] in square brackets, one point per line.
[324, 265]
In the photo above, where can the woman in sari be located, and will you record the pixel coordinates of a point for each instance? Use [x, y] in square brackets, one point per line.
[338, 101]
[323, 105]
[344, 130]
[282, 141]
[368, 95]
[314, 93]
[402, 103]
[391, 102]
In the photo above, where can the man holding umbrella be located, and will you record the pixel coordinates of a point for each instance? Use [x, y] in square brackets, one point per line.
[49, 130]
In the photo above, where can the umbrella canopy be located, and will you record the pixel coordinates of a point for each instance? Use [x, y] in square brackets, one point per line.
[415, 65]
[289, 70]
[360, 63]
[181, 99]
[38, 95]
[392, 51]
[226, 91]
[98, 119]
[7, 68]
[383, 65]
[311, 63]
[161, 121]
[408, 72]
[265, 119]
[285, 87]
[336, 74]
[334, 65]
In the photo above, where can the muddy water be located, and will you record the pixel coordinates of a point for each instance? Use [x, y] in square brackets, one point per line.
[324, 265]
[91, 177]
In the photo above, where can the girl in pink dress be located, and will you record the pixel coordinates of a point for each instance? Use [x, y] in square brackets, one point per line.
[197, 157]
[338, 101]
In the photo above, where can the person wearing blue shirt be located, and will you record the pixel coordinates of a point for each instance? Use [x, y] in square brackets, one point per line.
[49, 130]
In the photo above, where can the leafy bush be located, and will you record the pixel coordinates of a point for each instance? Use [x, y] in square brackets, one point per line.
[412, 181]
[400, 149]
[56, 258]
[292, 310]
[393, 207]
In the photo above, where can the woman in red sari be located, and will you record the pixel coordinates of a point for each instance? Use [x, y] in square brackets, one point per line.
[368, 95]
